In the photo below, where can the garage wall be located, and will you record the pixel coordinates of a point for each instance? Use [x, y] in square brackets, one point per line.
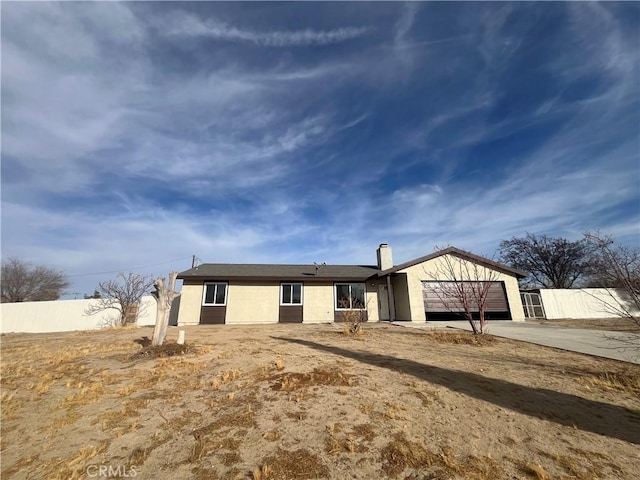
[436, 267]
[583, 303]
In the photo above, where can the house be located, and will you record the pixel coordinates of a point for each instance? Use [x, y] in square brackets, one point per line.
[260, 293]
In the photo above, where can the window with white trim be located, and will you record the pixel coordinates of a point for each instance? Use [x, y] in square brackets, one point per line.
[291, 293]
[350, 296]
[215, 293]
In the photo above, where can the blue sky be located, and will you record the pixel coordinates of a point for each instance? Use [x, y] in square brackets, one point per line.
[137, 134]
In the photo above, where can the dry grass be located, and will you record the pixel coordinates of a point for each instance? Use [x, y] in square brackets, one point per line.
[139, 455]
[461, 338]
[11, 405]
[165, 350]
[121, 419]
[291, 381]
[67, 419]
[584, 465]
[197, 416]
[272, 436]
[71, 467]
[395, 411]
[627, 380]
[284, 464]
[531, 470]
[401, 454]
[348, 442]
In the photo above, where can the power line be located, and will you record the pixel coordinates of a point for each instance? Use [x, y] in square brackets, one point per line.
[123, 269]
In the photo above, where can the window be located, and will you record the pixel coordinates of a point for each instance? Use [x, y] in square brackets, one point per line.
[350, 296]
[215, 293]
[291, 294]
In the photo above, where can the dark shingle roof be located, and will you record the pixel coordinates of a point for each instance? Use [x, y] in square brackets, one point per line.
[225, 271]
[256, 271]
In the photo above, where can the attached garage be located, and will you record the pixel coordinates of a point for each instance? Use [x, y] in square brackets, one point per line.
[445, 300]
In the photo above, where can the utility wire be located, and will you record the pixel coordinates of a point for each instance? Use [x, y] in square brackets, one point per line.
[123, 269]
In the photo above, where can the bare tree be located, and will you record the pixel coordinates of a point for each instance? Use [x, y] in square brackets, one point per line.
[463, 287]
[24, 282]
[551, 262]
[164, 295]
[616, 268]
[123, 295]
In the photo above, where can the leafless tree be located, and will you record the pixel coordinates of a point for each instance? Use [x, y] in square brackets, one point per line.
[164, 295]
[24, 282]
[463, 288]
[551, 262]
[616, 268]
[123, 295]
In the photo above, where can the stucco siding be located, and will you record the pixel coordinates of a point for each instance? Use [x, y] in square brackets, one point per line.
[190, 304]
[435, 268]
[401, 297]
[584, 303]
[253, 303]
[318, 303]
[66, 315]
[373, 308]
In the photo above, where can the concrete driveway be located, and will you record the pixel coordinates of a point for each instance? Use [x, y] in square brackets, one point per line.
[592, 342]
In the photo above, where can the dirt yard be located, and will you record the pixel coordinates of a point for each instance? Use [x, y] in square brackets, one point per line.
[310, 402]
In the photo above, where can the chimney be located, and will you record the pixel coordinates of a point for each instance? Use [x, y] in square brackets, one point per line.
[385, 258]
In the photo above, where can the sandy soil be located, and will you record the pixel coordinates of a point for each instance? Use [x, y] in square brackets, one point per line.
[307, 401]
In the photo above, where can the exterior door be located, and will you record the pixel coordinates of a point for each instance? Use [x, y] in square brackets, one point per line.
[532, 304]
[383, 302]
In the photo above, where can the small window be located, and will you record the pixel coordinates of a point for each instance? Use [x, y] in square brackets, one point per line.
[291, 294]
[350, 296]
[215, 293]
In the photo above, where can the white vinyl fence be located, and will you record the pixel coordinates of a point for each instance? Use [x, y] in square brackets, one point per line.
[69, 315]
[584, 303]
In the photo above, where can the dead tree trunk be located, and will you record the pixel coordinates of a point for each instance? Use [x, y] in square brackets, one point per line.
[164, 296]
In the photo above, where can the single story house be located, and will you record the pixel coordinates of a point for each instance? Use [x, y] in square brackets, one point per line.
[260, 293]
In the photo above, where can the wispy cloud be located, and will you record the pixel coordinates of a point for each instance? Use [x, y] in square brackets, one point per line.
[415, 124]
[184, 24]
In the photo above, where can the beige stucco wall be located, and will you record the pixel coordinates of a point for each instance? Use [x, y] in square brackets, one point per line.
[66, 315]
[586, 303]
[190, 304]
[401, 297]
[256, 303]
[436, 268]
[318, 303]
[253, 303]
